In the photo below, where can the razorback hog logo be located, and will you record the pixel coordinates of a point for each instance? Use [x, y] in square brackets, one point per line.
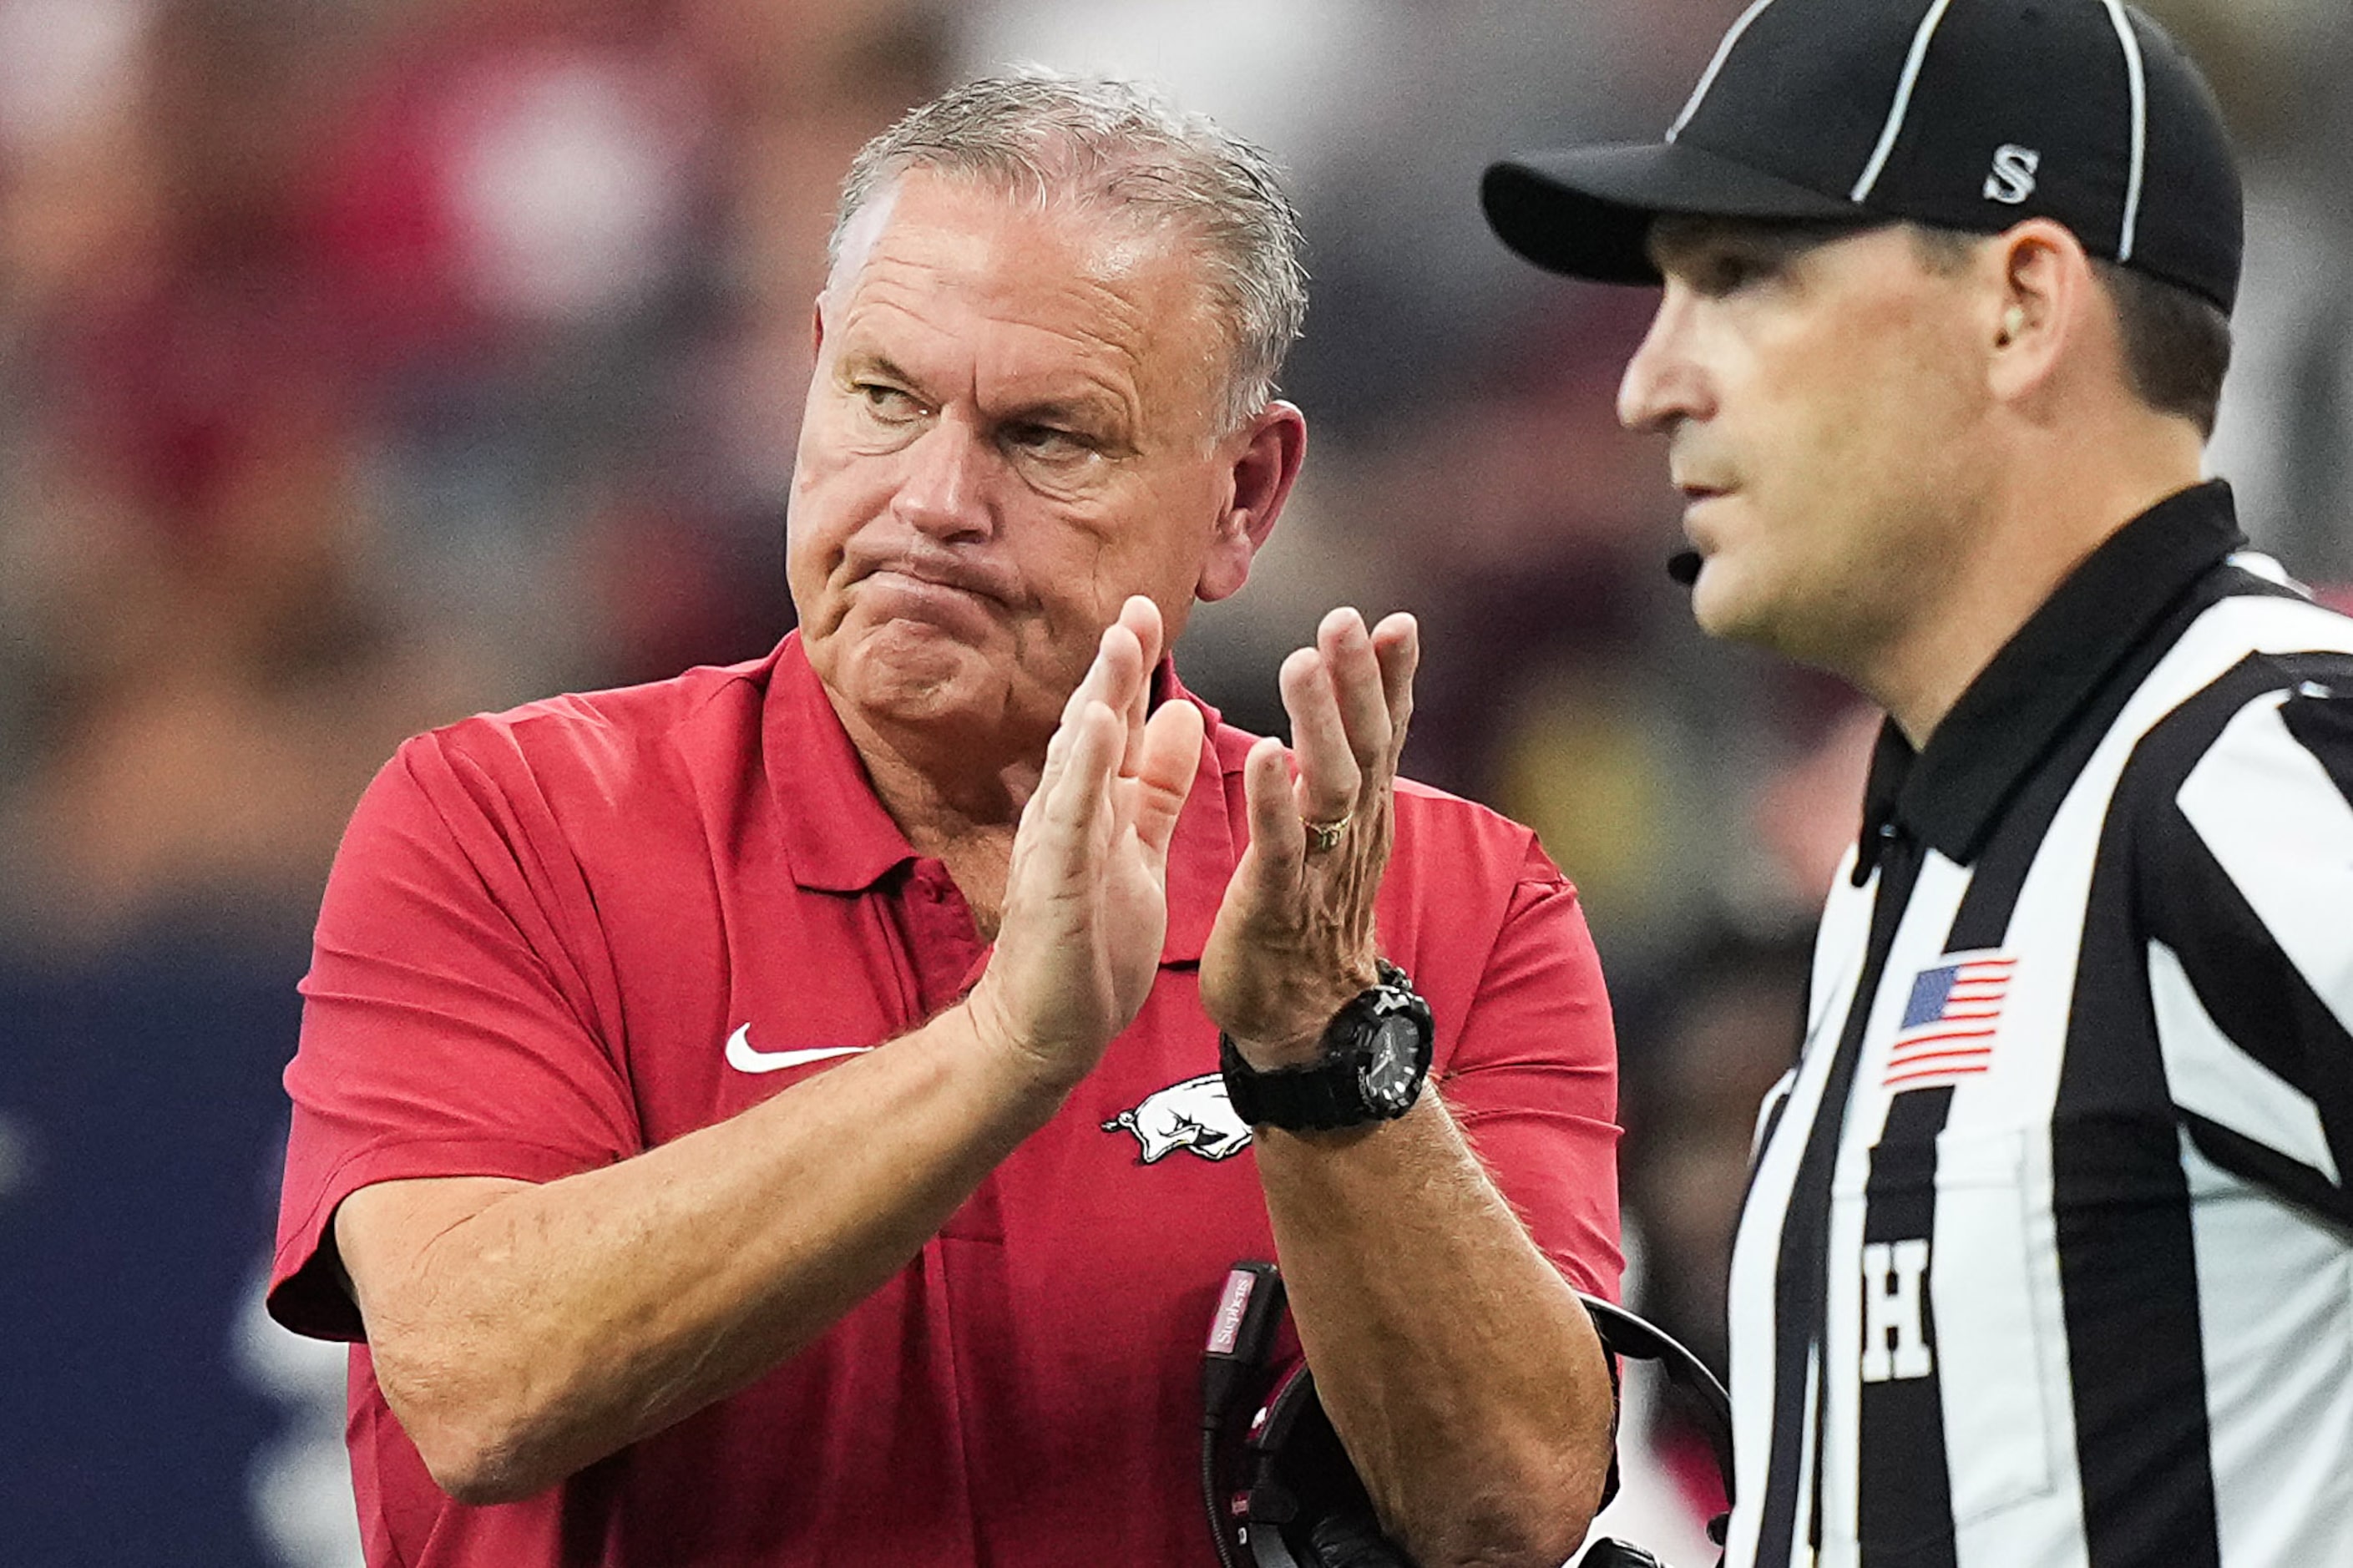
[1194, 1115]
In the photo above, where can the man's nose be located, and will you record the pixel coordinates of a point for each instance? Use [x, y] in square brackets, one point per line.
[1662, 382]
[945, 491]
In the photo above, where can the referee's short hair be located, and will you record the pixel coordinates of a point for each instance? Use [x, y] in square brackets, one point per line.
[2177, 345]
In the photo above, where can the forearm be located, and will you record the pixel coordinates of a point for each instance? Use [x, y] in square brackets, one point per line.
[557, 1323]
[1457, 1365]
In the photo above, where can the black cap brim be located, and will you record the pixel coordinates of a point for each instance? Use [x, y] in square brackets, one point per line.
[1586, 211]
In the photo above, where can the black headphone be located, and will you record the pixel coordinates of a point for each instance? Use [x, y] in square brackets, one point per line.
[1289, 1497]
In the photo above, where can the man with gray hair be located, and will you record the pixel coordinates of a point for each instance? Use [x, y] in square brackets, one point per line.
[805, 1112]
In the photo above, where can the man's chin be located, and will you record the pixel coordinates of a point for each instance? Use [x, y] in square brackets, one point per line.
[914, 670]
[1805, 633]
[1729, 609]
[911, 677]
[1718, 607]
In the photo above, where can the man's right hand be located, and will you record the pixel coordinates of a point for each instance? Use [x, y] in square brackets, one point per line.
[1086, 896]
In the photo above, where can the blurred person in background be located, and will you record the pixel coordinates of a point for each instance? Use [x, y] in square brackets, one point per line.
[1698, 1061]
[2043, 1249]
[1700, 1049]
[718, 1116]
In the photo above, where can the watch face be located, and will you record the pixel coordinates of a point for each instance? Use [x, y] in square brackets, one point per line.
[1387, 1075]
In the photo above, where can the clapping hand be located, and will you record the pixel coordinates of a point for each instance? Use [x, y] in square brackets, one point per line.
[1086, 896]
[1293, 940]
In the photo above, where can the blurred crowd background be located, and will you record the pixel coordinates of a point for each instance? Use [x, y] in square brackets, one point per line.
[368, 363]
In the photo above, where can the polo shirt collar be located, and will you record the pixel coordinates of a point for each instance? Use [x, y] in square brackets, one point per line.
[837, 836]
[839, 839]
[2024, 701]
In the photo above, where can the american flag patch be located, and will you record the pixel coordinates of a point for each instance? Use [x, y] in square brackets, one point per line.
[1949, 1022]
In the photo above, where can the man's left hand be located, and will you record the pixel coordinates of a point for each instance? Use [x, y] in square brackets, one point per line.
[1458, 1368]
[1293, 938]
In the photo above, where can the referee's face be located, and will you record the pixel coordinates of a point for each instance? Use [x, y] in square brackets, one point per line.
[1817, 392]
[1013, 425]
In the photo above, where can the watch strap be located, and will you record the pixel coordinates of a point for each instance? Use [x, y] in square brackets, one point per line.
[1328, 1094]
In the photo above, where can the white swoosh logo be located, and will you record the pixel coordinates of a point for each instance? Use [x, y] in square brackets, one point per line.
[743, 1059]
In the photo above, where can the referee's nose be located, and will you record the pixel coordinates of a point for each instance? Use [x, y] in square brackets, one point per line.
[1664, 382]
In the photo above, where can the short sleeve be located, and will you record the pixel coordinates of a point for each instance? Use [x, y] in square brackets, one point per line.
[1533, 1079]
[449, 1021]
[2247, 878]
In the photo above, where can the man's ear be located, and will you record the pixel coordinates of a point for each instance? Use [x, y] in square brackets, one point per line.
[1267, 454]
[816, 328]
[2043, 303]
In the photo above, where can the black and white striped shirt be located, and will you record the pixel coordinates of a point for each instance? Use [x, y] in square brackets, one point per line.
[2047, 1258]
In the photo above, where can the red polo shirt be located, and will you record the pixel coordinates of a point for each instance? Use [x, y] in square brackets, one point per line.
[542, 930]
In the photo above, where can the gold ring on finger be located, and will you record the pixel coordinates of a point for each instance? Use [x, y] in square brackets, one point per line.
[1326, 835]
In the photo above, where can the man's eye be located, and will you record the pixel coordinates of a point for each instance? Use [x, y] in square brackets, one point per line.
[1048, 441]
[1727, 272]
[890, 402]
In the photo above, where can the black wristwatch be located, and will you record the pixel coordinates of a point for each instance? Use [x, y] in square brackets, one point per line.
[1375, 1054]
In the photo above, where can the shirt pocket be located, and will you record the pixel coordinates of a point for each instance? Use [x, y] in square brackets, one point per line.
[2001, 1331]
[1944, 1317]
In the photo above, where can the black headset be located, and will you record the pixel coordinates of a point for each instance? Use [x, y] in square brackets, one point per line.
[1287, 1496]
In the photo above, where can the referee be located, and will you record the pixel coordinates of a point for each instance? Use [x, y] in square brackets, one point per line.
[2047, 1257]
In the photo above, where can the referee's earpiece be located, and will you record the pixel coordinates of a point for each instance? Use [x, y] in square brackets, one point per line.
[2013, 321]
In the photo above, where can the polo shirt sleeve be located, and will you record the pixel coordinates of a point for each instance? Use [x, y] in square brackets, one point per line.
[2245, 888]
[449, 1016]
[1533, 1078]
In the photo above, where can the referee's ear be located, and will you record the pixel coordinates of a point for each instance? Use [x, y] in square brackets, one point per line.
[2044, 320]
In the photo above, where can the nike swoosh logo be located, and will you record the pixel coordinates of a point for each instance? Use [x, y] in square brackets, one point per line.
[743, 1059]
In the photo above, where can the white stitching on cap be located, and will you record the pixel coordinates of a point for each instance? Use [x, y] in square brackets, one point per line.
[1707, 77]
[1903, 105]
[2135, 73]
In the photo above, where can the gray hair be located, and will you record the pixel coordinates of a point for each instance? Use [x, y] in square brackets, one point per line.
[1042, 134]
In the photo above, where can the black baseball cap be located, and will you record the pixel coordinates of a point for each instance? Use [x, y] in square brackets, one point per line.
[1960, 114]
